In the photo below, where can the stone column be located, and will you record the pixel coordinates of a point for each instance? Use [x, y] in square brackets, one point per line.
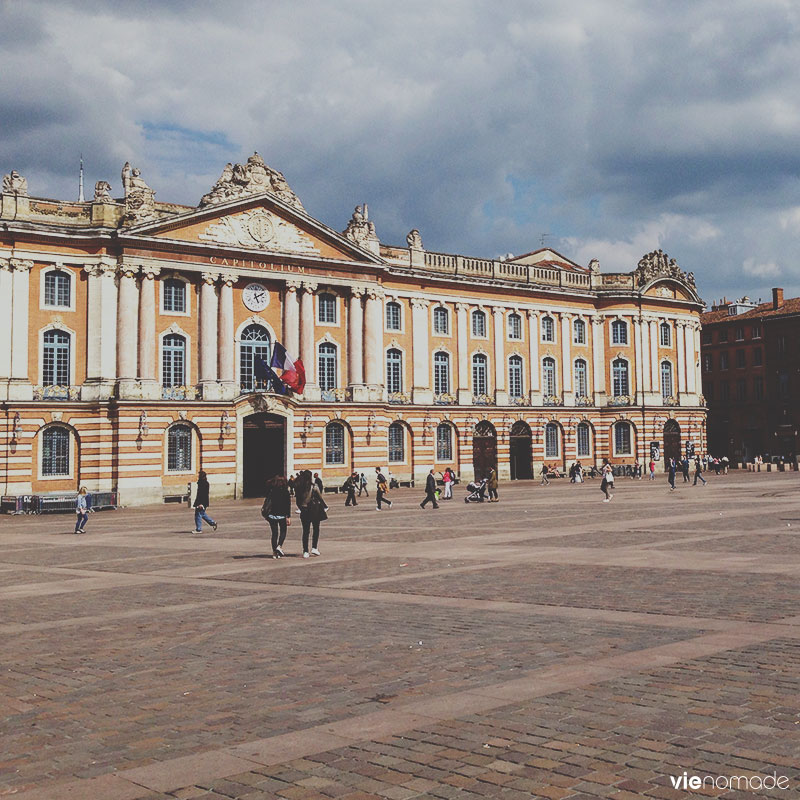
[638, 393]
[6, 291]
[355, 345]
[688, 338]
[463, 391]
[500, 391]
[291, 319]
[101, 335]
[307, 348]
[681, 348]
[566, 359]
[698, 374]
[373, 337]
[645, 354]
[598, 360]
[208, 336]
[148, 374]
[127, 332]
[226, 346]
[20, 385]
[534, 368]
[655, 376]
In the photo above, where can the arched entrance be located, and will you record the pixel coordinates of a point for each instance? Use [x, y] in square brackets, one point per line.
[263, 451]
[672, 442]
[484, 449]
[521, 451]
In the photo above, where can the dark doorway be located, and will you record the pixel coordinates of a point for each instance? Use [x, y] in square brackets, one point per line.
[263, 451]
[521, 452]
[672, 442]
[484, 449]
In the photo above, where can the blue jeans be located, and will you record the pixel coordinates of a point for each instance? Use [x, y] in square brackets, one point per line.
[200, 514]
[80, 523]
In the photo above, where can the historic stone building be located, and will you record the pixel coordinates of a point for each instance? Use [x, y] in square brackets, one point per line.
[132, 330]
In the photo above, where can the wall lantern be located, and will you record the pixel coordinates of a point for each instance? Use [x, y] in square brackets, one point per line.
[143, 428]
[224, 424]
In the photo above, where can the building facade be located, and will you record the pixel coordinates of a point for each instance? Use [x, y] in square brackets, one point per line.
[133, 329]
[751, 367]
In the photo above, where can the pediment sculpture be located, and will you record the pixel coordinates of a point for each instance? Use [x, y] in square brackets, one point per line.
[140, 202]
[659, 265]
[254, 177]
[361, 230]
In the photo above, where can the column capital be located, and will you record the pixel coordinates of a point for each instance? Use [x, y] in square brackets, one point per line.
[375, 294]
[420, 303]
[101, 268]
[357, 291]
[150, 272]
[127, 271]
[309, 287]
[5, 264]
[567, 315]
[209, 277]
[21, 264]
[293, 286]
[499, 312]
[229, 278]
[531, 313]
[463, 307]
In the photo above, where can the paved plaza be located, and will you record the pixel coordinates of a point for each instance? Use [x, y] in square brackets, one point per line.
[549, 645]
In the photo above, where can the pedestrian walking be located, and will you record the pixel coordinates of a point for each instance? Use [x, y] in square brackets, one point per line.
[313, 510]
[362, 485]
[318, 482]
[350, 488]
[277, 511]
[290, 485]
[201, 504]
[685, 469]
[698, 471]
[673, 468]
[607, 483]
[82, 510]
[430, 490]
[491, 485]
[447, 482]
[381, 490]
[652, 467]
[543, 473]
[637, 470]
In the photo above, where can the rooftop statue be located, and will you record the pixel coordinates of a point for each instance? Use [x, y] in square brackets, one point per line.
[254, 177]
[659, 265]
[14, 183]
[360, 230]
[102, 192]
[139, 197]
[413, 239]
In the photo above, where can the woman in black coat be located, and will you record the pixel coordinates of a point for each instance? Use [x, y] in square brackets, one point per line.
[201, 504]
[312, 510]
[277, 510]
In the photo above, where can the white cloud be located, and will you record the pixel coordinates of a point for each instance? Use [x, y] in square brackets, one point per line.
[767, 269]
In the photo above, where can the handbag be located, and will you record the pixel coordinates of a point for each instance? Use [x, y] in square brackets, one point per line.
[267, 506]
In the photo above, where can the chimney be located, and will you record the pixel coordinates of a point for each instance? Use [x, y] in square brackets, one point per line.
[777, 299]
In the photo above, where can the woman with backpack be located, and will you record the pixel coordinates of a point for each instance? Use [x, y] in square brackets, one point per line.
[277, 511]
[313, 510]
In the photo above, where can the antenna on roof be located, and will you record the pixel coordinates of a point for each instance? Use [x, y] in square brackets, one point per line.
[542, 238]
[80, 182]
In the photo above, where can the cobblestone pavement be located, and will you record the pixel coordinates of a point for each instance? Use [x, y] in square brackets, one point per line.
[547, 646]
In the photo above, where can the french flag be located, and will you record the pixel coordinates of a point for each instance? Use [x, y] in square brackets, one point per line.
[294, 373]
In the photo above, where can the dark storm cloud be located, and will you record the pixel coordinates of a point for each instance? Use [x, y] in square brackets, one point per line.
[616, 127]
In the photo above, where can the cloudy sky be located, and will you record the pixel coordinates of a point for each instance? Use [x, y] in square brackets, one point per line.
[610, 127]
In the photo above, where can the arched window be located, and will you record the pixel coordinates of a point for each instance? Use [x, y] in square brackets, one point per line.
[619, 369]
[581, 384]
[584, 439]
[619, 332]
[515, 377]
[393, 316]
[334, 443]
[55, 451]
[254, 346]
[441, 373]
[327, 366]
[478, 323]
[179, 449]
[552, 436]
[397, 443]
[441, 321]
[579, 332]
[174, 295]
[666, 379]
[57, 289]
[665, 333]
[622, 438]
[514, 326]
[479, 385]
[55, 359]
[444, 442]
[394, 371]
[327, 307]
[549, 376]
[173, 360]
[548, 329]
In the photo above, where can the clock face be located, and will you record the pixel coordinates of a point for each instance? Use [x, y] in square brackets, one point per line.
[255, 297]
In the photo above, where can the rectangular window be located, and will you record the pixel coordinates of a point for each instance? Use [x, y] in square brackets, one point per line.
[327, 308]
[55, 452]
[756, 331]
[739, 333]
[708, 337]
[396, 449]
[758, 388]
[665, 333]
[515, 326]
[783, 385]
[478, 324]
[583, 440]
[781, 344]
[393, 316]
[724, 391]
[741, 390]
[757, 357]
[708, 362]
[515, 377]
[723, 334]
[740, 359]
[723, 360]
[441, 321]
[174, 295]
[479, 377]
[444, 443]
[709, 391]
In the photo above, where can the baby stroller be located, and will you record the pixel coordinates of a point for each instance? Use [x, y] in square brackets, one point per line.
[477, 492]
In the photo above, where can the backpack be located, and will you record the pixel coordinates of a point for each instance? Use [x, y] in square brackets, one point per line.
[267, 506]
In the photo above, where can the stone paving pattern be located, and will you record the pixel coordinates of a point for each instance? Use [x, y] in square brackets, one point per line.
[547, 646]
